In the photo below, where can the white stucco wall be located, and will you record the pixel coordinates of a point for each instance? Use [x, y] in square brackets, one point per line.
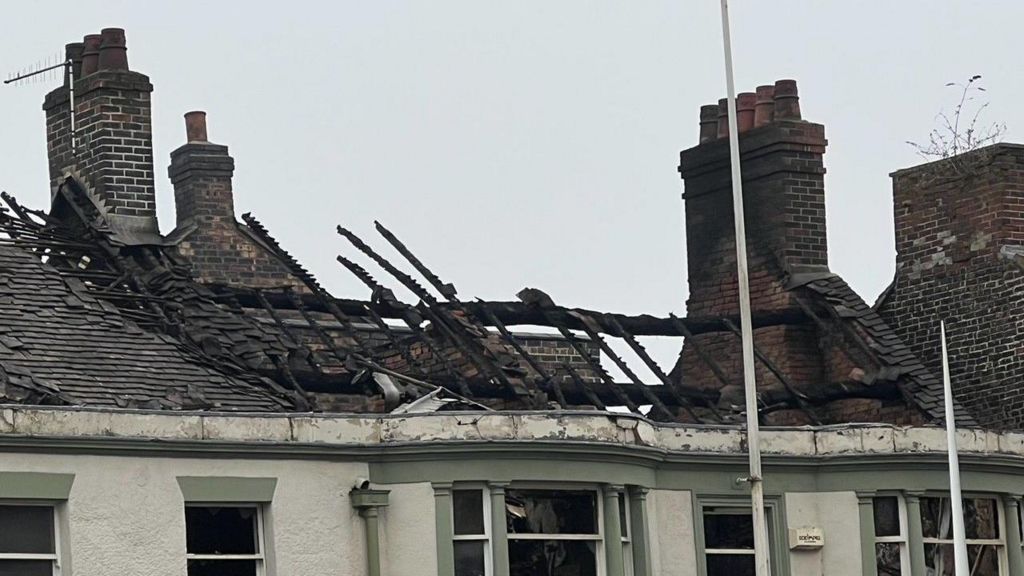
[673, 549]
[836, 513]
[125, 514]
[408, 532]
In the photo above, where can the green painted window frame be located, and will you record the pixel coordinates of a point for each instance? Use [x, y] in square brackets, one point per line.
[237, 491]
[499, 540]
[488, 535]
[903, 539]
[775, 512]
[58, 518]
[1003, 546]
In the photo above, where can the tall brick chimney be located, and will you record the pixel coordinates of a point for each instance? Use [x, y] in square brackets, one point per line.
[784, 200]
[220, 249]
[960, 258]
[784, 204]
[114, 150]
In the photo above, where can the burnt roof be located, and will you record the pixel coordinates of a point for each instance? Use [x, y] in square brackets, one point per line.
[88, 318]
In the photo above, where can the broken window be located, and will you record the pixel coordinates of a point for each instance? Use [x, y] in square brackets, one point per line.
[892, 558]
[728, 541]
[223, 540]
[552, 532]
[471, 533]
[985, 541]
[28, 541]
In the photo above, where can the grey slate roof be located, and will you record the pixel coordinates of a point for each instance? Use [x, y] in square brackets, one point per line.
[918, 383]
[59, 344]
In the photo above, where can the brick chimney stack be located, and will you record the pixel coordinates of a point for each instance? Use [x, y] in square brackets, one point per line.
[784, 205]
[960, 258]
[220, 249]
[201, 173]
[784, 193]
[114, 131]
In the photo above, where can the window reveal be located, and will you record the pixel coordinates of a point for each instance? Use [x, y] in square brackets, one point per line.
[28, 543]
[728, 541]
[552, 532]
[223, 540]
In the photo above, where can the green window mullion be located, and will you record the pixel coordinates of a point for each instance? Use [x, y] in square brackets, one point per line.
[915, 534]
[1011, 511]
[639, 531]
[499, 530]
[612, 531]
[866, 511]
[443, 527]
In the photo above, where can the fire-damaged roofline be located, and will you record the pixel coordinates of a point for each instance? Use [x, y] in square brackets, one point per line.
[148, 285]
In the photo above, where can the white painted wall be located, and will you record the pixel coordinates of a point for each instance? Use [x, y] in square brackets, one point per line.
[673, 548]
[408, 532]
[836, 513]
[125, 514]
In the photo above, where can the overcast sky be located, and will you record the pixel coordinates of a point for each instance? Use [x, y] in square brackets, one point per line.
[521, 143]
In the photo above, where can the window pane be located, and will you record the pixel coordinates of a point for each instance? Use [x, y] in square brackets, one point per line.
[887, 516]
[26, 529]
[623, 520]
[981, 519]
[935, 518]
[222, 568]
[26, 568]
[887, 559]
[725, 531]
[220, 530]
[552, 558]
[468, 509]
[730, 564]
[551, 511]
[469, 558]
[982, 560]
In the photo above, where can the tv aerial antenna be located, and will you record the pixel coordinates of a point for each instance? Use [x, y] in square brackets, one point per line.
[45, 71]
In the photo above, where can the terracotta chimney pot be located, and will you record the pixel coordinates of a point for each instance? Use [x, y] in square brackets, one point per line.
[764, 108]
[745, 111]
[113, 50]
[91, 53]
[723, 118]
[195, 126]
[787, 100]
[708, 123]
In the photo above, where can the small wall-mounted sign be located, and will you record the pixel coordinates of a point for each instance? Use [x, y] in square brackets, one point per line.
[806, 538]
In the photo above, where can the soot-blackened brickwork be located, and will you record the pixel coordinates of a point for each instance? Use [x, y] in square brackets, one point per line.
[114, 141]
[219, 248]
[959, 228]
[785, 215]
[846, 346]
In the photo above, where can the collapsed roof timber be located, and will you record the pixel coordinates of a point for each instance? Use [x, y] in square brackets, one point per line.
[300, 348]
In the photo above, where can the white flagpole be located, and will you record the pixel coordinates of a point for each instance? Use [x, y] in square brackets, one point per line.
[761, 555]
[956, 502]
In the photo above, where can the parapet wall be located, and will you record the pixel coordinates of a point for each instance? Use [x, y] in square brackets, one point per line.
[164, 430]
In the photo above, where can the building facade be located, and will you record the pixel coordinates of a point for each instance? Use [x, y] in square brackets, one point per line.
[197, 403]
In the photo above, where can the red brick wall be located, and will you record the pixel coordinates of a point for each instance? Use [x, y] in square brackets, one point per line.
[953, 219]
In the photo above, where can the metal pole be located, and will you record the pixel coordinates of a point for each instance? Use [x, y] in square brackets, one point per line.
[71, 102]
[956, 502]
[762, 560]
